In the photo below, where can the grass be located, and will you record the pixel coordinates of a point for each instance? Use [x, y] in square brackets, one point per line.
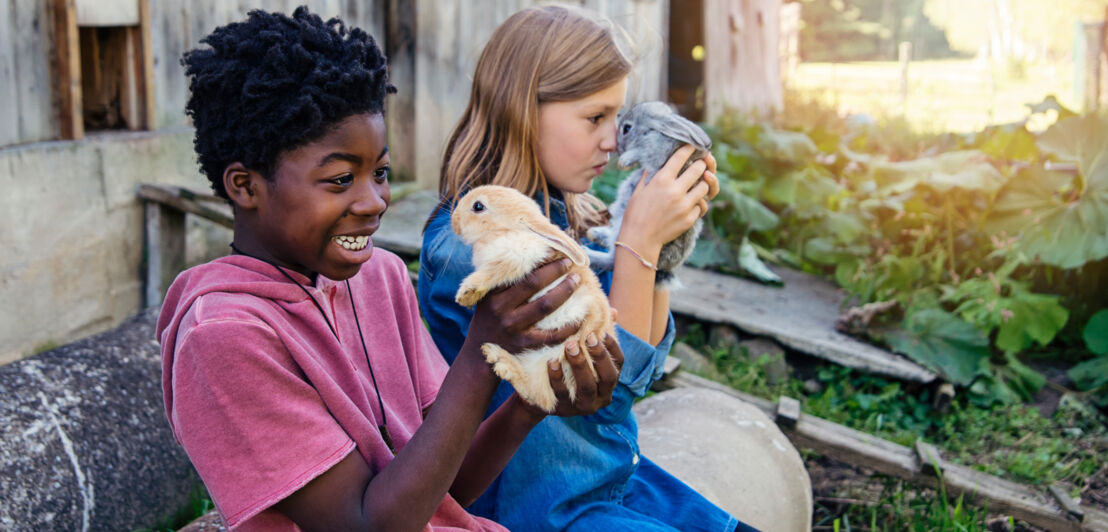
[956, 95]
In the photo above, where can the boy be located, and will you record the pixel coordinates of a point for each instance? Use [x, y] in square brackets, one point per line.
[306, 344]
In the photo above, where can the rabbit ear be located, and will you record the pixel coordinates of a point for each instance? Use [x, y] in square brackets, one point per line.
[561, 242]
[680, 128]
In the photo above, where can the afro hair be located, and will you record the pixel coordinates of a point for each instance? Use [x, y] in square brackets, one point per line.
[273, 83]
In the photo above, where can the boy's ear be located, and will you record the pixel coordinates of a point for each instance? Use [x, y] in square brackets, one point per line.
[241, 185]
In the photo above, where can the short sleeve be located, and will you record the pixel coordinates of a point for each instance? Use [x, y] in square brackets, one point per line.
[255, 429]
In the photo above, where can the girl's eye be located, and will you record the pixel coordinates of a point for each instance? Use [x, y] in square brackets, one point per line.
[382, 174]
[595, 119]
[343, 180]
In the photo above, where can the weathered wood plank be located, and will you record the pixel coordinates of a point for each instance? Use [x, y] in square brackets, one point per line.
[742, 56]
[107, 13]
[165, 249]
[144, 66]
[788, 411]
[68, 72]
[9, 105]
[184, 201]
[31, 23]
[800, 315]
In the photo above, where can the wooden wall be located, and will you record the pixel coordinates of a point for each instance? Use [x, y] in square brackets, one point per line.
[449, 39]
[434, 46]
[28, 107]
[742, 65]
[27, 111]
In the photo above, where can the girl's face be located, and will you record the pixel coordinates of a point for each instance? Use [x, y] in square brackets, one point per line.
[326, 199]
[575, 137]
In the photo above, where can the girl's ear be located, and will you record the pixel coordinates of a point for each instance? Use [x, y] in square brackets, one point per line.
[241, 185]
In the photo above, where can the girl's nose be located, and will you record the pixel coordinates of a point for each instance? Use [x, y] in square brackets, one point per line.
[372, 201]
[608, 142]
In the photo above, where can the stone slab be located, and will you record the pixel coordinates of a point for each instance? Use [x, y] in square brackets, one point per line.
[85, 442]
[729, 451]
[801, 315]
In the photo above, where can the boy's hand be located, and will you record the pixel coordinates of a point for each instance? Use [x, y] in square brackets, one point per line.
[505, 316]
[592, 394]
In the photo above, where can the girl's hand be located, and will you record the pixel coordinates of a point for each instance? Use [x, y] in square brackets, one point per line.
[505, 316]
[670, 203]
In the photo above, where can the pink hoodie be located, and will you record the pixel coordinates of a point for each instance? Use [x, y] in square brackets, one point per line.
[264, 398]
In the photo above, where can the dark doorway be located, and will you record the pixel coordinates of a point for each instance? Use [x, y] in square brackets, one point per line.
[686, 58]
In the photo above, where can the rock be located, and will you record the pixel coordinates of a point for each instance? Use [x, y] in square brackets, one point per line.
[209, 522]
[694, 361]
[777, 370]
[813, 387]
[723, 335]
[730, 452]
[84, 442]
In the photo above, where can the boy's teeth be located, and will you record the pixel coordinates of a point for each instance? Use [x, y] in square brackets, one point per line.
[351, 242]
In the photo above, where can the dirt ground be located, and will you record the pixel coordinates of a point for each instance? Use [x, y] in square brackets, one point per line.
[838, 485]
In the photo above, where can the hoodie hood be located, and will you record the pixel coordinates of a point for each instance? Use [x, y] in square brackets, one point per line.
[234, 274]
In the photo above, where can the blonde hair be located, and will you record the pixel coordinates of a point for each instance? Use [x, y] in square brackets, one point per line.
[550, 53]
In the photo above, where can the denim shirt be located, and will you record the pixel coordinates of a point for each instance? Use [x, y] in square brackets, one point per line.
[568, 468]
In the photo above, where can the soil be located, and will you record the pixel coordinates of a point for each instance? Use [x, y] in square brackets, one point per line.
[836, 486]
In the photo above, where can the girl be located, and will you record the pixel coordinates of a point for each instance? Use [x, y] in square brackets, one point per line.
[297, 373]
[541, 118]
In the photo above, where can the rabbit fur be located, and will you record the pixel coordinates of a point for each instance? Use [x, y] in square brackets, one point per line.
[510, 237]
[647, 135]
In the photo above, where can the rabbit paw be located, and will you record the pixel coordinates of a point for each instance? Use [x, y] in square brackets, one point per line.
[469, 295]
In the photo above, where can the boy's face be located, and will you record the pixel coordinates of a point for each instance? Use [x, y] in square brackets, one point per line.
[326, 199]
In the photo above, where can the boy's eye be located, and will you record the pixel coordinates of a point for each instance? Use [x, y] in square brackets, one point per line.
[382, 174]
[343, 180]
[596, 118]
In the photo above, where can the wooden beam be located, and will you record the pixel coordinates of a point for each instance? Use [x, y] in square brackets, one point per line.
[184, 201]
[68, 70]
[164, 234]
[788, 411]
[144, 69]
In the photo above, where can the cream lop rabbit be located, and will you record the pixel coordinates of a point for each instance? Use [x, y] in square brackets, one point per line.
[510, 237]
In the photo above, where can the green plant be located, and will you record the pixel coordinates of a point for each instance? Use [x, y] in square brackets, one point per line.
[988, 247]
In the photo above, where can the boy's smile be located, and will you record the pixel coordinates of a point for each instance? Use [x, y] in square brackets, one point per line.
[323, 202]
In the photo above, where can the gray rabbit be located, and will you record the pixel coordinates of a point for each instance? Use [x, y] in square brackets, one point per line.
[647, 136]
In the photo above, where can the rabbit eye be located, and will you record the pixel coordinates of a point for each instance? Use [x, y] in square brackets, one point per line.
[478, 206]
[626, 128]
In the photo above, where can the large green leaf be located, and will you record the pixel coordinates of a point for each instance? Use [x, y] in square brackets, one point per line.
[1090, 374]
[1096, 332]
[943, 342]
[966, 169]
[1055, 216]
[749, 261]
[1029, 318]
[786, 145]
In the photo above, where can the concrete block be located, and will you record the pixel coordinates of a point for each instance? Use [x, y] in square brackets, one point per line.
[730, 452]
